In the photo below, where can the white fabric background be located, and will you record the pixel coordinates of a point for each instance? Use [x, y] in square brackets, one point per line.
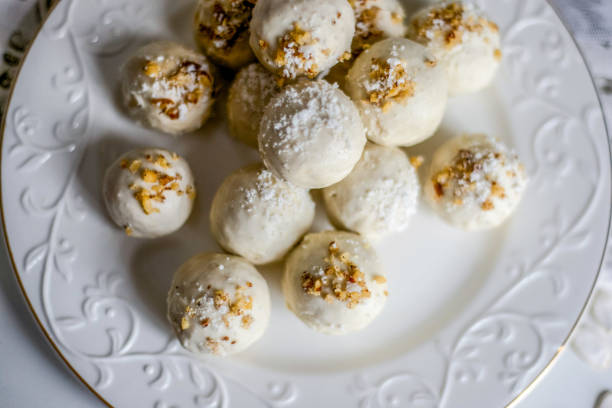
[31, 375]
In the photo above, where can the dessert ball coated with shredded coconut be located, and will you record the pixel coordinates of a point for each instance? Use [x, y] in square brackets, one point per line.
[462, 38]
[301, 37]
[311, 134]
[475, 182]
[259, 216]
[249, 94]
[334, 283]
[400, 91]
[168, 87]
[221, 30]
[218, 304]
[379, 196]
[149, 193]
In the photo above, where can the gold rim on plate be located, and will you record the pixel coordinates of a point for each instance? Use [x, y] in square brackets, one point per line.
[517, 399]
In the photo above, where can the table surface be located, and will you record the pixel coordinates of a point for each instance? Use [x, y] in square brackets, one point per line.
[32, 375]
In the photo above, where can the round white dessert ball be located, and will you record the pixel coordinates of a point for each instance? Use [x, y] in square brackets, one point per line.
[168, 87]
[249, 95]
[149, 193]
[400, 91]
[301, 37]
[333, 282]
[218, 304]
[311, 134]
[378, 197]
[259, 216]
[475, 182]
[463, 39]
[221, 30]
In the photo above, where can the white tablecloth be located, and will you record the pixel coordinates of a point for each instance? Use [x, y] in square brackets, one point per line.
[31, 374]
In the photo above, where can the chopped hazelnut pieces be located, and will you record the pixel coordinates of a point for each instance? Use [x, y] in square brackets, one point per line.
[190, 78]
[367, 31]
[497, 54]
[184, 323]
[151, 69]
[339, 280]
[134, 166]
[205, 322]
[388, 83]
[449, 23]
[487, 205]
[230, 26]
[380, 279]
[246, 321]
[144, 199]
[292, 56]
[417, 161]
[191, 193]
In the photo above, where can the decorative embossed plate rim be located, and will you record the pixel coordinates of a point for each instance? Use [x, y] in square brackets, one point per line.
[57, 348]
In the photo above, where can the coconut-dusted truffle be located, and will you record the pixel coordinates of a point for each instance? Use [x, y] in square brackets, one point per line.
[463, 39]
[221, 30]
[400, 91]
[149, 193]
[168, 87]
[475, 182]
[311, 134]
[379, 196]
[333, 282]
[249, 94]
[259, 216]
[301, 37]
[218, 304]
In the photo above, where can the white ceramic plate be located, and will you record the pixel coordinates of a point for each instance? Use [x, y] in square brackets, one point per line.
[472, 318]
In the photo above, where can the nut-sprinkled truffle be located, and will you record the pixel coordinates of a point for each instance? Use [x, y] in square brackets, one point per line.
[311, 134]
[374, 20]
[221, 30]
[249, 94]
[465, 42]
[334, 283]
[218, 304]
[168, 87]
[149, 193]
[301, 37]
[475, 182]
[259, 216]
[379, 196]
[400, 91]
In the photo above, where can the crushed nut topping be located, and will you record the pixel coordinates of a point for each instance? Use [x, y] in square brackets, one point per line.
[190, 79]
[388, 82]
[462, 171]
[340, 280]
[293, 53]
[366, 27]
[449, 23]
[128, 231]
[231, 23]
[417, 161]
[497, 54]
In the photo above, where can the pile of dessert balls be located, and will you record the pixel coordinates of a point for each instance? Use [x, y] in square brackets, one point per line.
[338, 85]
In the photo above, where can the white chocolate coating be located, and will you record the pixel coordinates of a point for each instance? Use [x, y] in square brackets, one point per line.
[315, 303]
[168, 87]
[465, 43]
[378, 197]
[311, 134]
[259, 216]
[475, 182]
[301, 37]
[249, 94]
[221, 30]
[400, 91]
[218, 304]
[149, 193]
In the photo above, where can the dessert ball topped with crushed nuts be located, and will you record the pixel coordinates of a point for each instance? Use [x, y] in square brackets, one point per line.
[301, 37]
[475, 182]
[258, 215]
[334, 283]
[463, 39]
[168, 87]
[149, 193]
[400, 91]
[218, 304]
[221, 30]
